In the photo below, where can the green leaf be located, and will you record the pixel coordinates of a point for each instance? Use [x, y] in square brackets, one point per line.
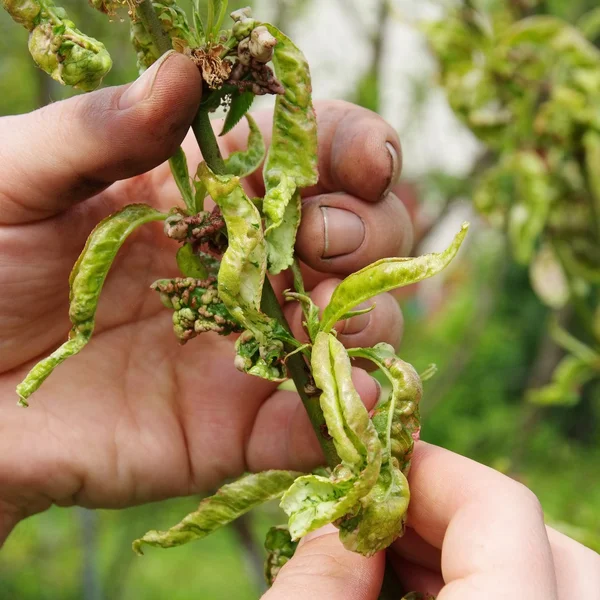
[86, 282]
[181, 174]
[229, 503]
[280, 549]
[282, 239]
[243, 267]
[221, 14]
[66, 54]
[189, 263]
[534, 196]
[241, 103]
[384, 275]
[591, 144]
[571, 374]
[292, 159]
[314, 500]
[245, 162]
[382, 514]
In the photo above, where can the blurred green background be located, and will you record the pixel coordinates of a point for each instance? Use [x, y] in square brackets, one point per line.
[480, 323]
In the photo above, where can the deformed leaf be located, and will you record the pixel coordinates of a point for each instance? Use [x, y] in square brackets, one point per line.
[244, 265]
[570, 376]
[384, 275]
[86, 282]
[292, 158]
[315, 500]
[281, 240]
[230, 502]
[245, 162]
[380, 519]
[280, 549]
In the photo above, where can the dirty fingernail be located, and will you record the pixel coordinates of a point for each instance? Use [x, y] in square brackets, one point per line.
[395, 172]
[344, 232]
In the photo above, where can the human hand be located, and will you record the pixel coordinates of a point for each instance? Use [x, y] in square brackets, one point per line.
[135, 417]
[472, 534]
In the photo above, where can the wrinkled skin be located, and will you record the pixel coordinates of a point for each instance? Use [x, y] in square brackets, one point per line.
[137, 418]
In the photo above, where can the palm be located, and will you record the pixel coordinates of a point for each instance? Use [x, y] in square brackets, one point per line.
[159, 411]
[135, 417]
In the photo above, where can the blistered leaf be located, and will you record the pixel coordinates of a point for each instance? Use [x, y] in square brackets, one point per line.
[280, 549]
[86, 282]
[230, 502]
[65, 53]
[245, 162]
[24, 12]
[315, 500]
[281, 240]
[197, 307]
[181, 174]
[261, 358]
[243, 267]
[292, 159]
[385, 275]
[380, 519]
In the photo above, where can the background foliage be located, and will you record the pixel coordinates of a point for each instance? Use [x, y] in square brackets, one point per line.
[482, 325]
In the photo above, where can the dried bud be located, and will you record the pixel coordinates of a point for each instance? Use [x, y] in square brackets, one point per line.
[244, 55]
[262, 44]
[242, 14]
[176, 228]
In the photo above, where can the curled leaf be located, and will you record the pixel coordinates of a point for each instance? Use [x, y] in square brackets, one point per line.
[230, 502]
[292, 159]
[243, 267]
[314, 500]
[280, 549]
[568, 379]
[245, 162]
[382, 513]
[385, 275]
[281, 240]
[86, 282]
[59, 48]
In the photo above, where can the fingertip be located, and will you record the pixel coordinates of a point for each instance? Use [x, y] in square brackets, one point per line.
[365, 144]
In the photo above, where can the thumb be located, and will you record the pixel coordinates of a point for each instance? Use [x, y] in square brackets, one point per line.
[71, 150]
[323, 568]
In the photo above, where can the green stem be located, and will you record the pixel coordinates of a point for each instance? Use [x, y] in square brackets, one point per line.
[207, 141]
[147, 15]
[301, 375]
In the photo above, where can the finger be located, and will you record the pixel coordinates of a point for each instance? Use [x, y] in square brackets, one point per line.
[323, 568]
[359, 153]
[70, 150]
[417, 578]
[577, 567]
[282, 436]
[412, 548]
[491, 527]
[383, 324]
[341, 234]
